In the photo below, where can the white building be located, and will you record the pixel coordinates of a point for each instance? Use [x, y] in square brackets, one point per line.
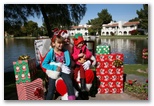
[79, 29]
[119, 28]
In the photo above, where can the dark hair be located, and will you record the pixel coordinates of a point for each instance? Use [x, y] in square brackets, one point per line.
[55, 37]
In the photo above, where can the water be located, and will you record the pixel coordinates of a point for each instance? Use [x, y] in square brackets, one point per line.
[131, 48]
[13, 48]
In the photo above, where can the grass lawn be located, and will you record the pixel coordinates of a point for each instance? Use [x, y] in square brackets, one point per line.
[132, 69]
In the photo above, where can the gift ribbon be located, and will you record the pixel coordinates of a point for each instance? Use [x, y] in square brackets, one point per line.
[24, 57]
[117, 63]
[38, 92]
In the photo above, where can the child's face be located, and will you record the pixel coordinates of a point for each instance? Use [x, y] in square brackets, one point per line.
[80, 45]
[58, 44]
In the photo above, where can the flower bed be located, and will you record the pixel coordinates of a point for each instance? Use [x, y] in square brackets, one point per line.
[137, 89]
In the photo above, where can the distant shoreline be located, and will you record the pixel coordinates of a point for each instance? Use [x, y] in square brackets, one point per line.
[103, 36]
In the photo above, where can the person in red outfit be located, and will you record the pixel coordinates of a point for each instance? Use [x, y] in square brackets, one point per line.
[80, 55]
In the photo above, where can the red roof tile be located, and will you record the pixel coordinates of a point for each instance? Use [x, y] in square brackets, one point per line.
[131, 23]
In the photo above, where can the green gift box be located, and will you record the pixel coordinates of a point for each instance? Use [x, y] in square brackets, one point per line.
[25, 70]
[103, 49]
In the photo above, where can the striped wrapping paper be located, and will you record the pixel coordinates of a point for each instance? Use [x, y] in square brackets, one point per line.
[30, 90]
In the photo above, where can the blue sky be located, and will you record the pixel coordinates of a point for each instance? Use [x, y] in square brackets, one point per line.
[123, 12]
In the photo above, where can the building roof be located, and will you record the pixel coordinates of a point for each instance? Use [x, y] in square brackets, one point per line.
[111, 25]
[131, 23]
[81, 26]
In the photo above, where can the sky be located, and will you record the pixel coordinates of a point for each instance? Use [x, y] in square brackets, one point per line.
[119, 12]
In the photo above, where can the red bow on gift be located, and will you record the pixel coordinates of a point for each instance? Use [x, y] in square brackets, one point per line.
[38, 92]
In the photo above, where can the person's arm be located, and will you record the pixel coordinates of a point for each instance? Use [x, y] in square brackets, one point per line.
[46, 62]
[67, 58]
[75, 54]
[88, 53]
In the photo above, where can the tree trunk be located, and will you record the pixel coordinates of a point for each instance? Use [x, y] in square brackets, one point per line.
[46, 20]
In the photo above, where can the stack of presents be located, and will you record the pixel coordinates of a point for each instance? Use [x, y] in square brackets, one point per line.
[28, 85]
[109, 70]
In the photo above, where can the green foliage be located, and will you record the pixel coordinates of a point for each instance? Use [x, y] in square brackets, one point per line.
[53, 14]
[29, 27]
[134, 19]
[138, 89]
[143, 17]
[103, 18]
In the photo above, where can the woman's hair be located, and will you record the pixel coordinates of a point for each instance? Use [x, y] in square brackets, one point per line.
[56, 37]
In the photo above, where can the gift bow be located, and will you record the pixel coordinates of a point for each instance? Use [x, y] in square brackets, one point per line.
[117, 63]
[24, 57]
[38, 92]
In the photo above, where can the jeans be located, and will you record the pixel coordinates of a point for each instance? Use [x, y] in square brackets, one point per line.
[51, 89]
[51, 86]
[68, 81]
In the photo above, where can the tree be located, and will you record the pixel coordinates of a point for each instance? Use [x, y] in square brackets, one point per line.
[89, 22]
[59, 14]
[30, 27]
[143, 17]
[103, 18]
[134, 19]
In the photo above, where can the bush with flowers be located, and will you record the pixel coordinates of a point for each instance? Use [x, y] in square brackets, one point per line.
[139, 90]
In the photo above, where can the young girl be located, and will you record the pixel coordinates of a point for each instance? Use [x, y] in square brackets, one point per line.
[80, 55]
[56, 63]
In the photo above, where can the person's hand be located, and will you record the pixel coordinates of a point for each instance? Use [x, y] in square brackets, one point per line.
[86, 65]
[94, 60]
[58, 68]
[81, 55]
[65, 69]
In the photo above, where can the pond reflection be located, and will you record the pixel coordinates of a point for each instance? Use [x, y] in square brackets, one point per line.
[131, 48]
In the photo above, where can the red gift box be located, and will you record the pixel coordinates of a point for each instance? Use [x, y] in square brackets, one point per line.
[109, 71]
[30, 90]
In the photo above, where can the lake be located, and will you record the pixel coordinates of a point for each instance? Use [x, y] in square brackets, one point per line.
[131, 48]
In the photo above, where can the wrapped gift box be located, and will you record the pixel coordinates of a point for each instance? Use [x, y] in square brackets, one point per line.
[109, 71]
[30, 90]
[25, 70]
[110, 87]
[103, 49]
[42, 46]
[109, 57]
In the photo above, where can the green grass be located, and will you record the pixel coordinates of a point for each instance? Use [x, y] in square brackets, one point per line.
[132, 69]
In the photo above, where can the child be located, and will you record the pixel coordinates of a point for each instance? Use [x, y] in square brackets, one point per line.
[56, 63]
[80, 55]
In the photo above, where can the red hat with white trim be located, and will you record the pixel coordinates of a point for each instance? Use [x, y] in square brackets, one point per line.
[64, 33]
[78, 38]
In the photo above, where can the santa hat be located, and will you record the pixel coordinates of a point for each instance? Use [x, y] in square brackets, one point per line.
[55, 31]
[64, 33]
[55, 34]
[78, 38]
